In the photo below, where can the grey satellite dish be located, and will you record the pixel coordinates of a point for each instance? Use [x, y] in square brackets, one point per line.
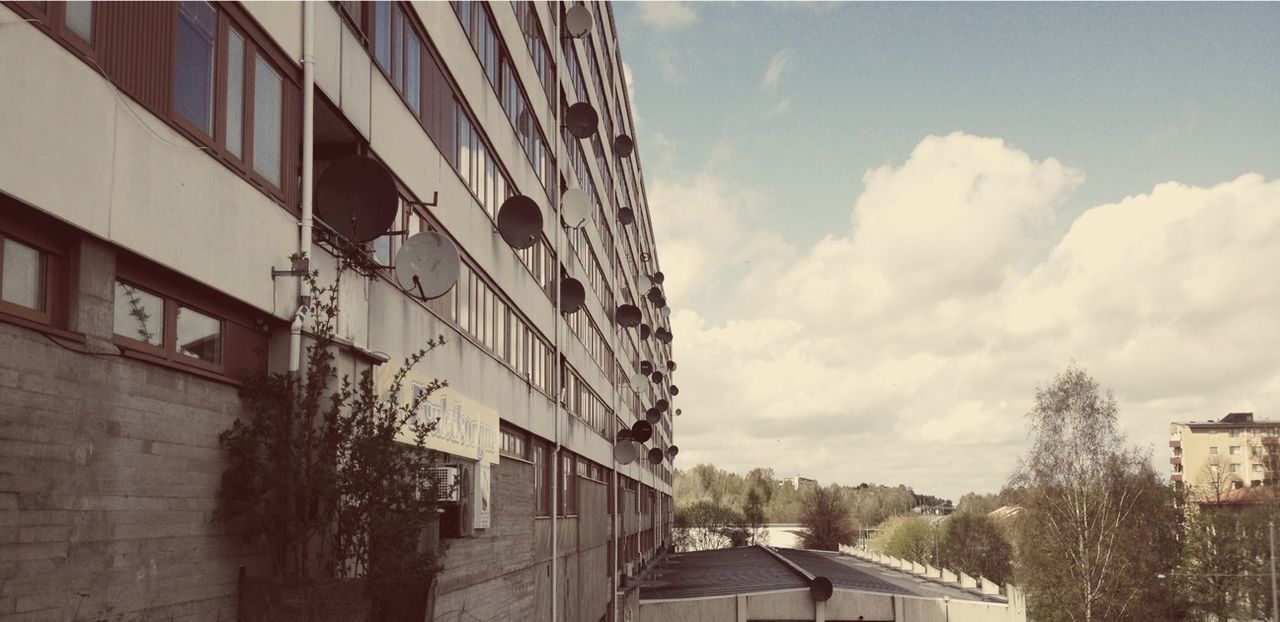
[581, 120]
[671, 365]
[661, 405]
[644, 331]
[659, 277]
[572, 295]
[646, 367]
[655, 456]
[577, 21]
[653, 416]
[628, 316]
[520, 222]
[428, 264]
[623, 146]
[679, 411]
[357, 196]
[626, 216]
[575, 207]
[655, 295]
[624, 451]
[675, 390]
[656, 377]
[665, 311]
[644, 282]
[639, 379]
[672, 451]
[641, 431]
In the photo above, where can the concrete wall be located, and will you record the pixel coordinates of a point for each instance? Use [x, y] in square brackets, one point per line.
[109, 473]
[843, 605]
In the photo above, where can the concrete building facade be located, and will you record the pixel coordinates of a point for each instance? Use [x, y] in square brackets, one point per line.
[154, 166]
[1211, 458]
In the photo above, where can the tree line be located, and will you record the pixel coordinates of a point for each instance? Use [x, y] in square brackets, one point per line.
[1086, 526]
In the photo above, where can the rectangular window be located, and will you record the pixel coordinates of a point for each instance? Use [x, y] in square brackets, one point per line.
[79, 19]
[568, 486]
[193, 96]
[514, 444]
[1235, 450]
[1235, 468]
[541, 475]
[1234, 434]
[1213, 451]
[382, 36]
[24, 277]
[139, 315]
[268, 108]
[413, 70]
[199, 336]
[235, 94]
[1257, 468]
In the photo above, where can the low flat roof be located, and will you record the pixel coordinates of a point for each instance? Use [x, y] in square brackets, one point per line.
[751, 569]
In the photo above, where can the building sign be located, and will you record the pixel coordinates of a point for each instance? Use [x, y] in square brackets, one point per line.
[484, 498]
[464, 427]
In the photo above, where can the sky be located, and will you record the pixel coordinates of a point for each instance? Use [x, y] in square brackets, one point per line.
[883, 226]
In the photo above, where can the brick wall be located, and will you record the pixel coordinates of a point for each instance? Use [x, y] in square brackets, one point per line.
[109, 472]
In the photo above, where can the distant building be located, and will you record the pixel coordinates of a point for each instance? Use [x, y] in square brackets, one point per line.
[801, 483]
[1211, 458]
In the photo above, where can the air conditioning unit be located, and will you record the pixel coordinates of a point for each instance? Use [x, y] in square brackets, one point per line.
[445, 481]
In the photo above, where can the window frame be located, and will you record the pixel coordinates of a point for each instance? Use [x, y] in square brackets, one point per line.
[51, 260]
[168, 348]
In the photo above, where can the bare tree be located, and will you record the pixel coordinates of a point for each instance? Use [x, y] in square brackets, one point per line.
[1216, 480]
[825, 518]
[1094, 510]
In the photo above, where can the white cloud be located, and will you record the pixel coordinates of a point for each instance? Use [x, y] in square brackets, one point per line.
[629, 80]
[778, 109]
[667, 14]
[906, 346]
[774, 71]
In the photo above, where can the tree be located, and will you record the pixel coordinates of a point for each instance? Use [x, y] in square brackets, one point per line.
[1224, 566]
[1216, 480]
[976, 503]
[824, 517]
[973, 544]
[753, 515]
[905, 536]
[705, 525]
[1098, 522]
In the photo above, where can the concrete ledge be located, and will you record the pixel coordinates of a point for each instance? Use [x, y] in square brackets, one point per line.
[988, 587]
[968, 582]
[950, 577]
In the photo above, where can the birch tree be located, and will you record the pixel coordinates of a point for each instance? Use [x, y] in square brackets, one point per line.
[1099, 523]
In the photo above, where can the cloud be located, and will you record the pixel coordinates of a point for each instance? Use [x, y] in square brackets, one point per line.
[778, 109]
[906, 346]
[774, 72]
[629, 80]
[667, 15]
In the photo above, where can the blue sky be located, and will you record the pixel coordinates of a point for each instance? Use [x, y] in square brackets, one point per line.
[759, 124]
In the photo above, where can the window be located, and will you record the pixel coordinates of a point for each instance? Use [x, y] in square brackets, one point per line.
[568, 500]
[541, 477]
[23, 276]
[1213, 451]
[1235, 450]
[79, 16]
[193, 79]
[268, 108]
[154, 324]
[1234, 433]
[1235, 468]
[235, 94]
[514, 444]
[1257, 468]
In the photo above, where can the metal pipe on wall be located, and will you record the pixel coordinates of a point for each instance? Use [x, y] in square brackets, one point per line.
[308, 170]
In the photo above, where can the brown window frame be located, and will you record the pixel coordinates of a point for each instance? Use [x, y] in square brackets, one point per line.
[30, 228]
[168, 350]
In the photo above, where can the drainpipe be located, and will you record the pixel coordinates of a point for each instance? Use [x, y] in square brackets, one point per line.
[554, 102]
[308, 171]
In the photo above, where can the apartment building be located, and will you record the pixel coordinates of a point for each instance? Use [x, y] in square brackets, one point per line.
[157, 161]
[1210, 458]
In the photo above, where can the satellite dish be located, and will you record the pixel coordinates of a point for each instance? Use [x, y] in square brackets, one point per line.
[662, 405]
[655, 456]
[581, 120]
[672, 451]
[428, 264]
[624, 451]
[659, 277]
[646, 367]
[679, 411]
[623, 434]
[820, 588]
[628, 316]
[623, 146]
[663, 335]
[671, 365]
[572, 295]
[644, 331]
[654, 295]
[638, 379]
[656, 376]
[575, 207]
[644, 282]
[666, 311]
[641, 431]
[675, 390]
[653, 416]
[577, 22]
[626, 216]
[357, 196]
[520, 222]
